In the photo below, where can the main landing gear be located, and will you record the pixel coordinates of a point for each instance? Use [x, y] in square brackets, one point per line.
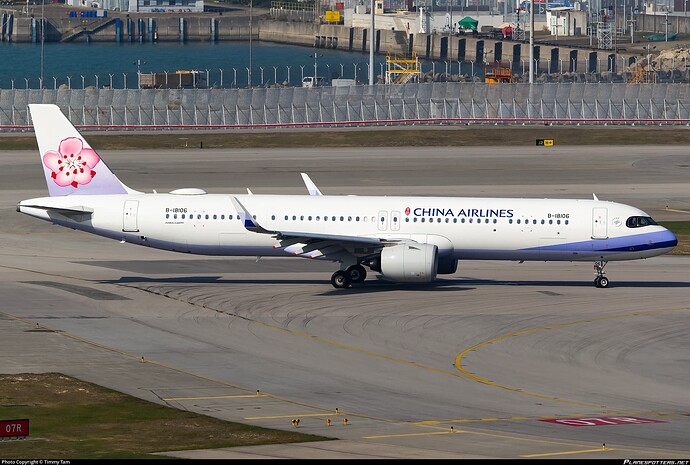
[344, 278]
[600, 280]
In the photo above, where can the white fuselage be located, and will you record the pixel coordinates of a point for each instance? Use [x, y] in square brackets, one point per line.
[461, 227]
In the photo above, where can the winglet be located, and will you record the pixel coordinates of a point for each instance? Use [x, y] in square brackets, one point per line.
[595, 196]
[249, 192]
[249, 222]
[311, 187]
[70, 165]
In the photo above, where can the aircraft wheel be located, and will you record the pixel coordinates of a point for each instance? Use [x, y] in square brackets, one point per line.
[596, 282]
[357, 273]
[341, 280]
[603, 282]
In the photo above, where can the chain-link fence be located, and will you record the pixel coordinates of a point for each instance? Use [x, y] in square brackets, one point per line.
[450, 102]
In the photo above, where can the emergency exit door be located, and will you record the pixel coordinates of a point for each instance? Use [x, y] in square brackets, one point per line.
[129, 218]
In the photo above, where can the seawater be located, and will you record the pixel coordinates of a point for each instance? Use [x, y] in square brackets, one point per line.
[226, 63]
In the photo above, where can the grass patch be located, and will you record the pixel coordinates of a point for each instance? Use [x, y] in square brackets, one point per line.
[428, 136]
[682, 231]
[73, 419]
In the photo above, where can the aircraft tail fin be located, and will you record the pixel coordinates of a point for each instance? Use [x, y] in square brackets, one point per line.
[70, 165]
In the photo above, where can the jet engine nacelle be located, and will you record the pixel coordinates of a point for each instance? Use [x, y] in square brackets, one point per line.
[410, 262]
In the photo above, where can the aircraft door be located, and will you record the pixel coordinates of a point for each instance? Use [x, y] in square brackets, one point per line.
[599, 223]
[129, 216]
[395, 221]
[383, 220]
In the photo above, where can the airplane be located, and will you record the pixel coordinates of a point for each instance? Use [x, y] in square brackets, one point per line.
[404, 239]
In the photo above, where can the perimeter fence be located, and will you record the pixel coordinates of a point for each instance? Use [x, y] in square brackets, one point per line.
[425, 103]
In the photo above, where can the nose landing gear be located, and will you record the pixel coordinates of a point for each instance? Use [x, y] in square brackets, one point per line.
[601, 280]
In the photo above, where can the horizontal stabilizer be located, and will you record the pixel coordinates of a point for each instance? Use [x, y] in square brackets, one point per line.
[62, 210]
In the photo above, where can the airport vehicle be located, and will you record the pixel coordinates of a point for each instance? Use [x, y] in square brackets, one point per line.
[405, 239]
[311, 81]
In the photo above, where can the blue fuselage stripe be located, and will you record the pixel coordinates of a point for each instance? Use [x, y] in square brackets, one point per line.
[633, 243]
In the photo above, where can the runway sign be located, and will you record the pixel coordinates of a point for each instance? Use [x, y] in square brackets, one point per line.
[14, 428]
[545, 142]
[602, 421]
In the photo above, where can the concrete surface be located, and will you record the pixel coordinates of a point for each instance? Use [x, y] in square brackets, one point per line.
[467, 367]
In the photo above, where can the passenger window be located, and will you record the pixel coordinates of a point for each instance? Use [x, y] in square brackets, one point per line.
[183, 216]
[222, 217]
[273, 217]
[206, 216]
[167, 215]
[309, 218]
[518, 221]
[294, 217]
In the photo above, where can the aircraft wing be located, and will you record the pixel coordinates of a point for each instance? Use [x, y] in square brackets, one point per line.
[313, 245]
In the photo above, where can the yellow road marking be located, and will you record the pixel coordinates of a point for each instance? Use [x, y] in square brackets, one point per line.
[479, 379]
[239, 396]
[568, 452]
[677, 211]
[412, 434]
[297, 415]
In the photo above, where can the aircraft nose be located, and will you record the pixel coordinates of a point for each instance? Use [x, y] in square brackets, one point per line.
[668, 238]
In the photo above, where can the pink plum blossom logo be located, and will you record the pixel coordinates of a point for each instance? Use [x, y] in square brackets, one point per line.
[72, 164]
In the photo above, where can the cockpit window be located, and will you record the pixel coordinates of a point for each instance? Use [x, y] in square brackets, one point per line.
[639, 221]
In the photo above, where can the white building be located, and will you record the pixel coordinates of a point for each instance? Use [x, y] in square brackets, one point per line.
[566, 21]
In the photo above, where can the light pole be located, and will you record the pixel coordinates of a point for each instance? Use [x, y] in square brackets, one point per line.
[666, 25]
[371, 45]
[43, 36]
[315, 56]
[531, 41]
[139, 63]
[251, 3]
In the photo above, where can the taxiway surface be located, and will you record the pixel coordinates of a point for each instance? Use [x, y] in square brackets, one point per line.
[499, 360]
